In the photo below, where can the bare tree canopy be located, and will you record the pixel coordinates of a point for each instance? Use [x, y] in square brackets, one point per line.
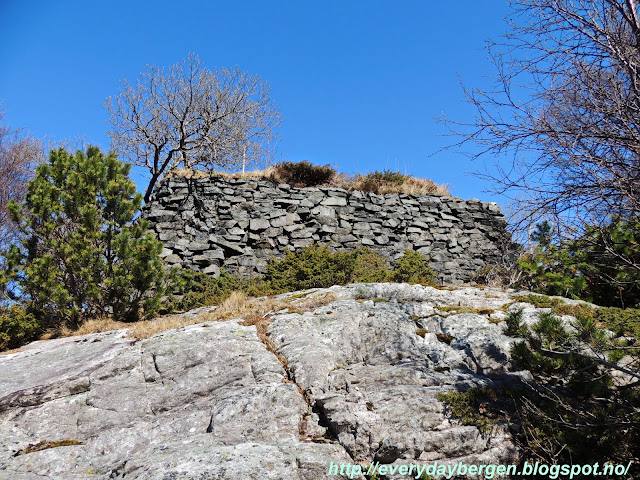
[19, 155]
[566, 106]
[190, 116]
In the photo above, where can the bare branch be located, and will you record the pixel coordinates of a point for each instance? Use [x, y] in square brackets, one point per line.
[19, 155]
[565, 108]
[192, 117]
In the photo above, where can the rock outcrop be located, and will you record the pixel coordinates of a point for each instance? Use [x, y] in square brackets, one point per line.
[354, 381]
[240, 224]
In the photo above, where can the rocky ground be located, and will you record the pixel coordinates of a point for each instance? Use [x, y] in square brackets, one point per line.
[356, 380]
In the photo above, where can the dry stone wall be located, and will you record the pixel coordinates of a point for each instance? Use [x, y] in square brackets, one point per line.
[240, 224]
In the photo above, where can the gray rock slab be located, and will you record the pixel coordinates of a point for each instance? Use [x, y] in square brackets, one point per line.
[203, 400]
[352, 381]
[376, 381]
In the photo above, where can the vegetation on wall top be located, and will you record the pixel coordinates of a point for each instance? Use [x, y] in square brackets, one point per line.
[306, 174]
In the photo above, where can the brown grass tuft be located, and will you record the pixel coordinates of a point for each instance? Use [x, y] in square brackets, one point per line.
[417, 186]
[145, 329]
[410, 186]
[9, 352]
[93, 325]
[240, 305]
[96, 325]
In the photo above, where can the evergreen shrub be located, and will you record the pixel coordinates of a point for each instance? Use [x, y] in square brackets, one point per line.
[17, 327]
[413, 267]
[84, 251]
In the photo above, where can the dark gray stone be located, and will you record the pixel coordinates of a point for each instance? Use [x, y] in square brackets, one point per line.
[258, 219]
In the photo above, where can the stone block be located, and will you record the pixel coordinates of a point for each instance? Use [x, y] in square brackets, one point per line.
[287, 219]
[381, 239]
[370, 207]
[282, 240]
[334, 201]
[304, 233]
[292, 228]
[367, 240]
[198, 246]
[258, 224]
[445, 216]
[209, 255]
[173, 259]
[344, 238]
[302, 243]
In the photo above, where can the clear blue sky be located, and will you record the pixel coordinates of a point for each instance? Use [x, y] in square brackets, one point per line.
[359, 82]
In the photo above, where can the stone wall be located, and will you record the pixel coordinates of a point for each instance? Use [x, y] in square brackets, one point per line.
[240, 224]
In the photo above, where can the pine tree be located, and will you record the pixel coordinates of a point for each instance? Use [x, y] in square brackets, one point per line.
[84, 252]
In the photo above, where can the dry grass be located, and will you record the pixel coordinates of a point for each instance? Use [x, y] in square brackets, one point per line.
[146, 329]
[266, 173]
[96, 325]
[93, 325]
[9, 352]
[417, 186]
[187, 173]
[311, 303]
[238, 305]
[411, 186]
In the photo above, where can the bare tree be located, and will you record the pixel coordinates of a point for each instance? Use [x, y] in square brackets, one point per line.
[19, 154]
[566, 109]
[193, 117]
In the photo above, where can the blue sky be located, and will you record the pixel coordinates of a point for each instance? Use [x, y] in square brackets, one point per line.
[358, 82]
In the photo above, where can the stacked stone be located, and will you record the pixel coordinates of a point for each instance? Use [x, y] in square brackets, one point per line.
[240, 224]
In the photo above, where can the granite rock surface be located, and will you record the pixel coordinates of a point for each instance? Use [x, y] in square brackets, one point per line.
[353, 381]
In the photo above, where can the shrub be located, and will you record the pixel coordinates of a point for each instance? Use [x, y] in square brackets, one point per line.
[302, 174]
[373, 182]
[369, 267]
[610, 262]
[317, 267]
[413, 267]
[552, 270]
[312, 267]
[83, 253]
[623, 321]
[577, 409]
[514, 323]
[601, 266]
[17, 327]
[502, 276]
